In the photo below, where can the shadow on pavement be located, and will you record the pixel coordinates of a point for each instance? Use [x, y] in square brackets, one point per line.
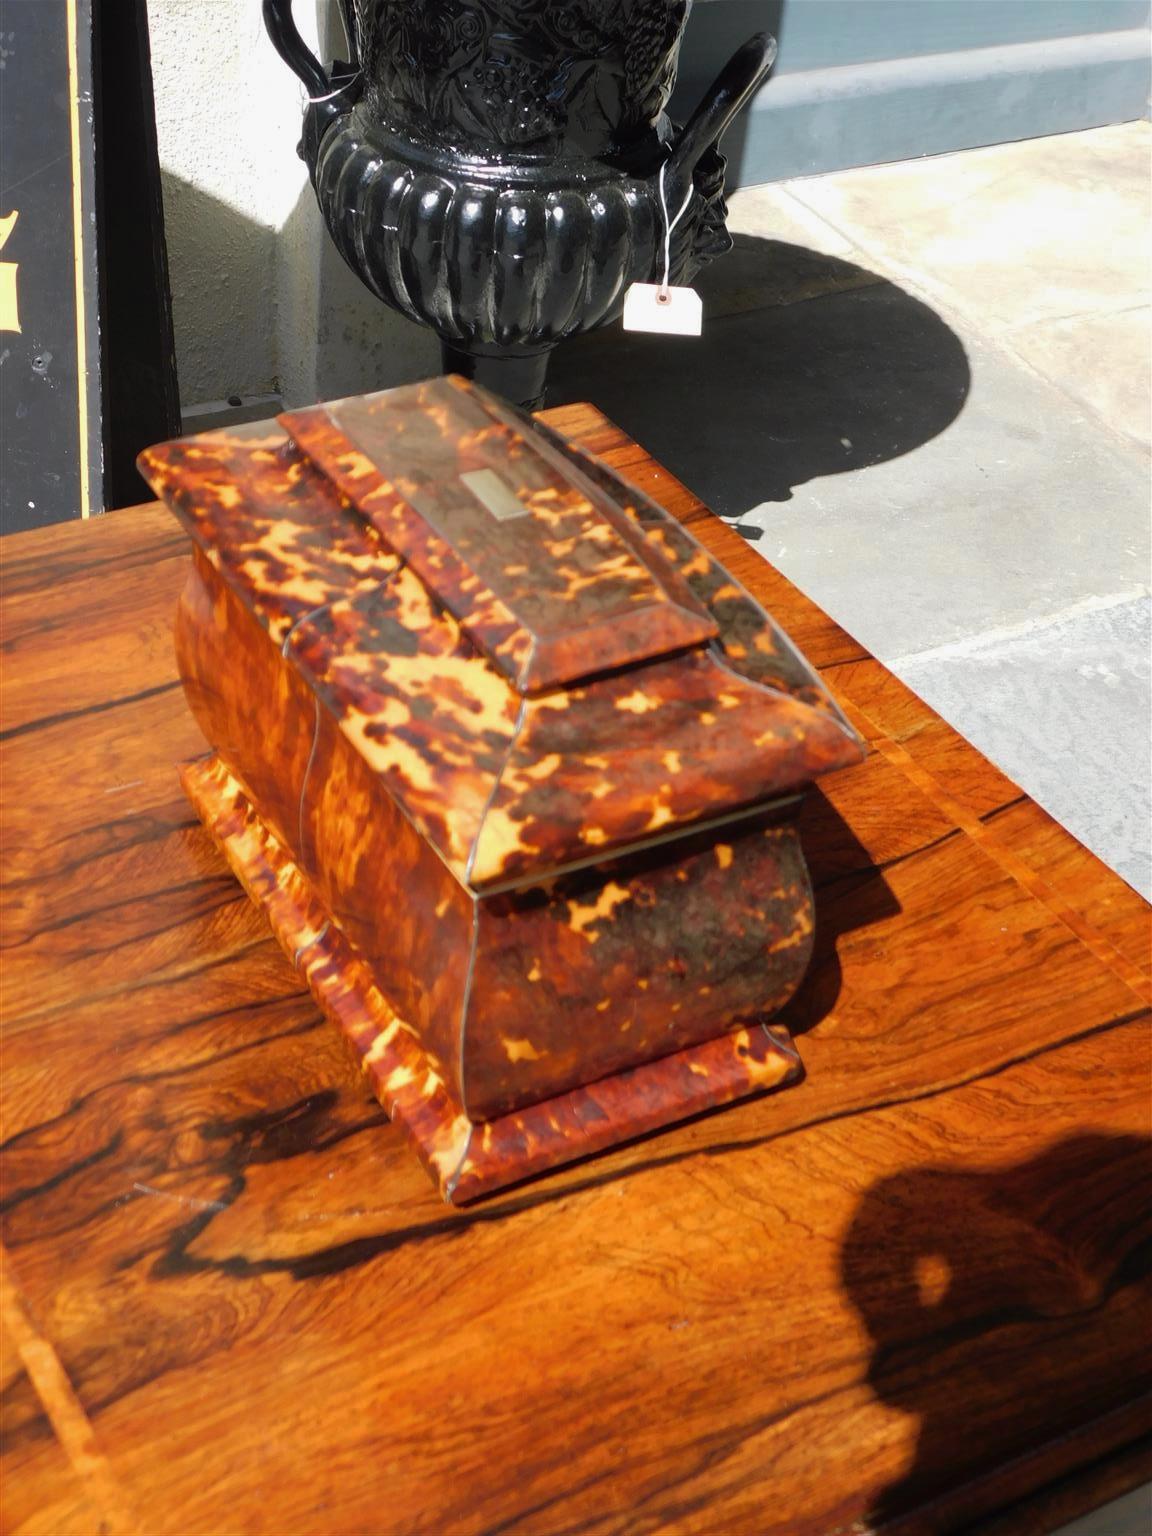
[809, 366]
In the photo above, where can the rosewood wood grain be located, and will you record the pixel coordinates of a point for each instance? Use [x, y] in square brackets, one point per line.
[909, 1294]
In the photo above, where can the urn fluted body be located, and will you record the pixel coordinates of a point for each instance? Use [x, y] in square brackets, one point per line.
[503, 170]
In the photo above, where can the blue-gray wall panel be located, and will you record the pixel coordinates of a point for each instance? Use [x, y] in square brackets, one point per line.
[860, 82]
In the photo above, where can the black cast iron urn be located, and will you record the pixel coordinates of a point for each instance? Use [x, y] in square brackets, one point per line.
[492, 168]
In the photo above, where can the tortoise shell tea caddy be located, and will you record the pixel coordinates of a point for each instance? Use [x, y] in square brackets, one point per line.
[509, 761]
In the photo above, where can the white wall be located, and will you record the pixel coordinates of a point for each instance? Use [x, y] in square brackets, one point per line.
[262, 304]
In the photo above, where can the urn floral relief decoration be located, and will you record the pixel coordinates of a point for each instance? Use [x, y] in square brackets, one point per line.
[502, 170]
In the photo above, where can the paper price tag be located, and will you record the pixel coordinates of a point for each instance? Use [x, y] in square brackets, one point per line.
[671, 311]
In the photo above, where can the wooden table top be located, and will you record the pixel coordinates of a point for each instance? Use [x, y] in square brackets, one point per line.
[911, 1292]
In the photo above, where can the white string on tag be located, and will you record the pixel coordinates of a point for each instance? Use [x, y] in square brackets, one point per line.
[658, 306]
[663, 296]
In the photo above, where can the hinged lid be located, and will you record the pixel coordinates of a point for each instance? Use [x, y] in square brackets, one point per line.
[545, 574]
[509, 788]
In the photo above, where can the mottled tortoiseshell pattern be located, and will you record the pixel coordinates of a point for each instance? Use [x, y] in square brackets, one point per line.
[408, 916]
[409, 695]
[467, 1160]
[751, 642]
[696, 740]
[282, 536]
[612, 965]
[560, 590]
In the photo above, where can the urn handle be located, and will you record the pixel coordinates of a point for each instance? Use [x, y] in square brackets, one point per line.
[719, 105]
[330, 94]
[280, 25]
